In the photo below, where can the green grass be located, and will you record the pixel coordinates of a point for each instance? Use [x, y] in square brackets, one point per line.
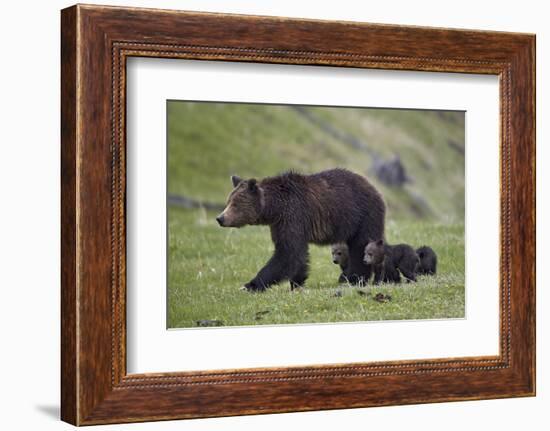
[208, 265]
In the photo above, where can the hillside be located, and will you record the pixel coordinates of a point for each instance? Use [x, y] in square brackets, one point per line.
[210, 141]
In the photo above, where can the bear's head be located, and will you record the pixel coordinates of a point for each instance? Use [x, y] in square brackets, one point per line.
[340, 254]
[374, 252]
[244, 204]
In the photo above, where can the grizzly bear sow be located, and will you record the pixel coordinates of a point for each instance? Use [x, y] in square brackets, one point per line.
[324, 208]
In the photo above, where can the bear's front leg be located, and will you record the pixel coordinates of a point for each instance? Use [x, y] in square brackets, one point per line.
[409, 274]
[286, 262]
[378, 274]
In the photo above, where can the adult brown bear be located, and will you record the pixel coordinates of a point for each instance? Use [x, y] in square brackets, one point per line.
[324, 208]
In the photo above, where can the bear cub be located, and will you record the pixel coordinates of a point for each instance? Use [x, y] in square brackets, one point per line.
[428, 261]
[340, 256]
[389, 260]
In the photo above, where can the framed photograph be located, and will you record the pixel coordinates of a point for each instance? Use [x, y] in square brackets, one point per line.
[264, 214]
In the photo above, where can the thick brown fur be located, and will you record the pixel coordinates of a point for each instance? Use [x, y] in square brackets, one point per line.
[389, 260]
[324, 208]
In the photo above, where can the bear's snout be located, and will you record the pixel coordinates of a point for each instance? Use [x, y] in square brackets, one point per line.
[220, 219]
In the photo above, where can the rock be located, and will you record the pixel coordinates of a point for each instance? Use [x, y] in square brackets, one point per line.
[391, 172]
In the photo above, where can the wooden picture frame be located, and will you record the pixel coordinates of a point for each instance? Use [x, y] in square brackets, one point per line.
[95, 43]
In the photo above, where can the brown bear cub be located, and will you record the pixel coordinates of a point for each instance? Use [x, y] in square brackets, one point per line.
[302, 209]
[428, 261]
[389, 260]
[340, 256]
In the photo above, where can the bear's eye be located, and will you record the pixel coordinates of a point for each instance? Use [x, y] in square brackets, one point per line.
[370, 254]
[339, 253]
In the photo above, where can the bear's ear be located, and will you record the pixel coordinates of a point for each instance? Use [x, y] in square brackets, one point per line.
[380, 242]
[235, 180]
[252, 185]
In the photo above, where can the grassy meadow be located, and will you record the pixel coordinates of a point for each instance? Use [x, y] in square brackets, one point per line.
[207, 264]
